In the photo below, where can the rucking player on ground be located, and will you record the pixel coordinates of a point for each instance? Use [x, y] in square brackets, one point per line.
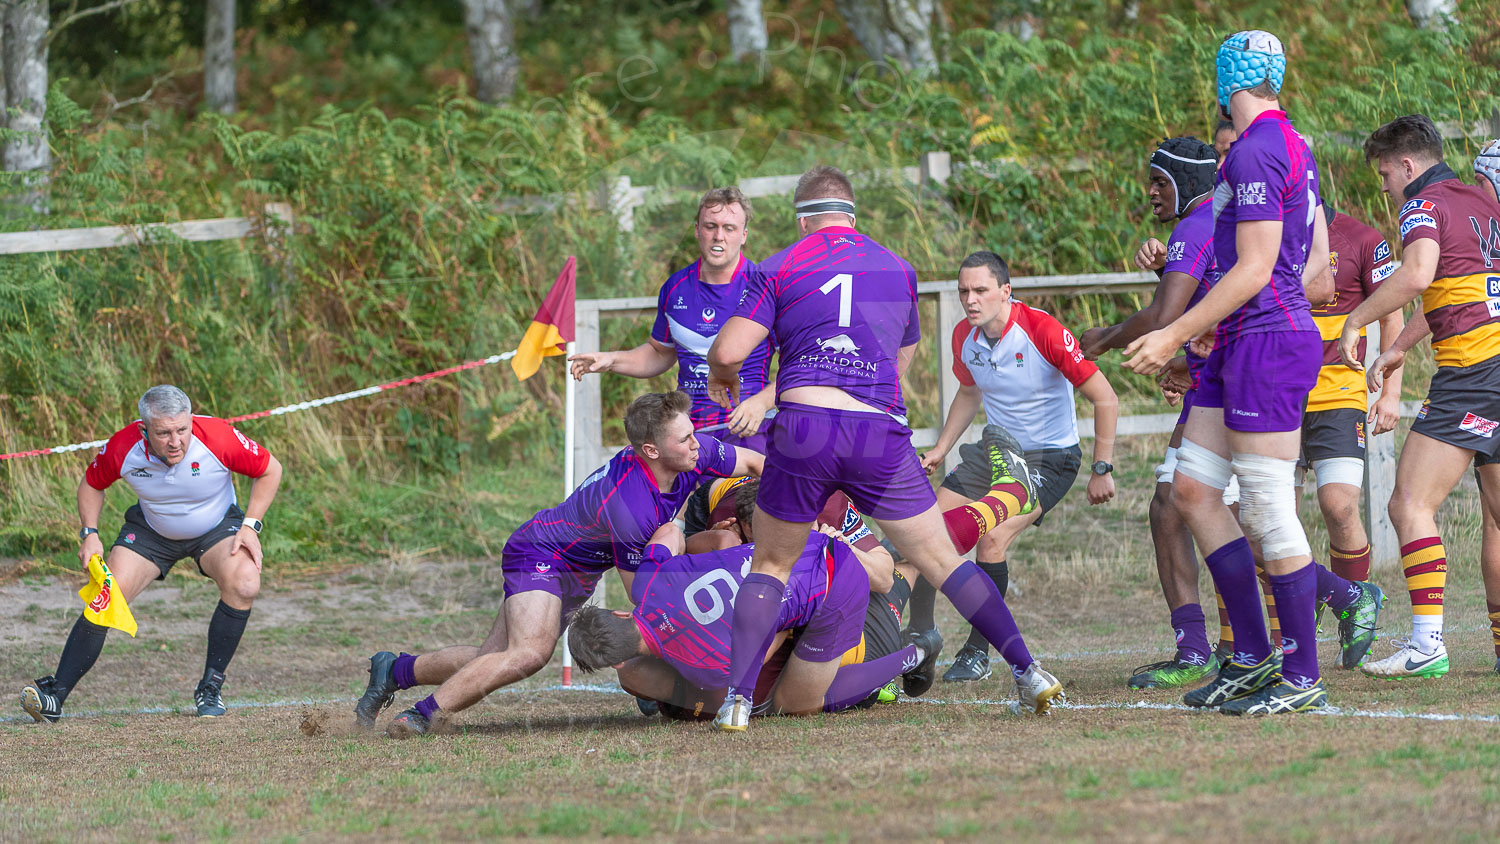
[1270, 239]
[1021, 365]
[1180, 183]
[691, 307]
[843, 310]
[673, 646]
[181, 467]
[1450, 244]
[553, 562]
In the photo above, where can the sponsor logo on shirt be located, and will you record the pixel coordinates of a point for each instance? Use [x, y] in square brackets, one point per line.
[140, 473]
[1382, 252]
[1415, 204]
[1489, 246]
[1176, 250]
[976, 359]
[1020, 360]
[1238, 412]
[680, 304]
[249, 444]
[1417, 221]
[839, 344]
[194, 467]
[1250, 193]
[709, 314]
[1478, 425]
[543, 568]
[1381, 273]
[851, 519]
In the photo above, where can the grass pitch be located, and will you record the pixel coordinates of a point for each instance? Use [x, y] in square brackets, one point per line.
[537, 760]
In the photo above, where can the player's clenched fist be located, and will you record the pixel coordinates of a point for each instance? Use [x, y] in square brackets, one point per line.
[1152, 255]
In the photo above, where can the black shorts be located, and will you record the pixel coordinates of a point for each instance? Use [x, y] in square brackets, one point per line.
[1053, 471]
[882, 636]
[1463, 408]
[695, 514]
[140, 538]
[1339, 432]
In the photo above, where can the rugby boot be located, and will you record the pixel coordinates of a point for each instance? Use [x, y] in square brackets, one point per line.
[1235, 680]
[648, 707]
[1357, 625]
[206, 696]
[917, 681]
[1278, 698]
[1409, 661]
[734, 715]
[40, 700]
[970, 666]
[380, 693]
[888, 693]
[1007, 464]
[1036, 690]
[407, 724]
[1172, 673]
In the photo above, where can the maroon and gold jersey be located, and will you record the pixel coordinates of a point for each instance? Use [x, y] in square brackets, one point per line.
[1463, 303]
[1361, 259]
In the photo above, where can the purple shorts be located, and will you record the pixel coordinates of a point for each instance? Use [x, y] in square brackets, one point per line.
[1188, 400]
[533, 568]
[837, 625]
[1261, 380]
[815, 451]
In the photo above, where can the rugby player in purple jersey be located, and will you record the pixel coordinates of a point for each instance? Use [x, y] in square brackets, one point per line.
[552, 563]
[691, 307]
[843, 310]
[674, 647]
[1270, 240]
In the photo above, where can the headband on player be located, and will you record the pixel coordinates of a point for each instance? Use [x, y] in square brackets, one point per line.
[1487, 163]
[1190, 165]
[826, 205]
[1247, 59]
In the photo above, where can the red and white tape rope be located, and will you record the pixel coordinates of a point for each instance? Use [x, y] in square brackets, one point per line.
[292, 408]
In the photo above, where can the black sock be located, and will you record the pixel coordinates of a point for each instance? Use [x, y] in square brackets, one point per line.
[1000, 574]
[78, 656]
[919, 608]
[224, 632]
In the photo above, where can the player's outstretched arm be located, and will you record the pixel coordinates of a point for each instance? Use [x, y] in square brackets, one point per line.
[90, 508]
[961, 413]
[647, 360]
[747, 462]
[732, 346]
[1168, 302]
[877, 562]
[262, 492]
[1101, 395]
[1418, 267]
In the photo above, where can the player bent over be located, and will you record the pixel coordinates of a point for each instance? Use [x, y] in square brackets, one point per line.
[553, 562]
[672, 645]
[1270, 239]
[1450, 240]
[843, 309]
[181, 467]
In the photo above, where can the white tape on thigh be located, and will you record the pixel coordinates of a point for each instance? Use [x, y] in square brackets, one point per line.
[1167, 467]
[1340, 470]
[1203, 465]
[1268, 505]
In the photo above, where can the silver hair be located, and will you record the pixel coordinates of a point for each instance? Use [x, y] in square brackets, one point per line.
[163, 400]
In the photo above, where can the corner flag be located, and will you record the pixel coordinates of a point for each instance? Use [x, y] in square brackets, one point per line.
[106, 604]
[552, 328]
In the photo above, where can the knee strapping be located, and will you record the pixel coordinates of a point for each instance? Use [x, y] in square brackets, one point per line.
[1167, 467]
[1339, 470]
[1203, 466]
[1268, 505]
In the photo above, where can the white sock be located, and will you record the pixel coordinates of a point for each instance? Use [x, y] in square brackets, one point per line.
[1427, 632]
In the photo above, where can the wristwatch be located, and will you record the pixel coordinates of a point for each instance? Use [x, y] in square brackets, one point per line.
[1102, 468]
[254, 524]
[85, 533]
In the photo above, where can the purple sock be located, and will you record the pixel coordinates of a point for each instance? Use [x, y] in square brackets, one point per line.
[1295, 603]
[1339, 594]
[404, 672]
[1233, 570]
[854, 683]
[977, 599]
[1192, 639]
[756, 608]
[428, 707]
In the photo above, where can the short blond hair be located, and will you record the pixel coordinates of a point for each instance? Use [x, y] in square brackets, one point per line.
[722, 198]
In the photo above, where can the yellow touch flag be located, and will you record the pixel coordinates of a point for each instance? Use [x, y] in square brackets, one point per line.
[106, 603]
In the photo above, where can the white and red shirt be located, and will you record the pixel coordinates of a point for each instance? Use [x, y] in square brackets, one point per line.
[1026, 376]
[187, 500]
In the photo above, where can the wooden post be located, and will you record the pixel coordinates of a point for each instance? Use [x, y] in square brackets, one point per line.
[950, 314]
[1380, 481]
[589, 445]
[936, 168]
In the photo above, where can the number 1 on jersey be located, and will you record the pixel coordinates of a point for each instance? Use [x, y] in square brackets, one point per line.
[845, 283]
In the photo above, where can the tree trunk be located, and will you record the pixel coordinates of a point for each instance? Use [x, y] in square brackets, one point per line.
[747, 29]
[1432, 14]
[893, 31]
[218, 57]
[492, 46]
[23, 25]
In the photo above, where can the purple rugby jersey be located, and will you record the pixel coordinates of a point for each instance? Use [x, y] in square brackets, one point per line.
[689, 314]
[1190, 250]
[685, 604]
[1269, 174]
[840, 307]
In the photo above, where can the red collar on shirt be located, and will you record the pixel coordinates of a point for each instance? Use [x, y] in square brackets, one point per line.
[650, 475]
[1015, 310]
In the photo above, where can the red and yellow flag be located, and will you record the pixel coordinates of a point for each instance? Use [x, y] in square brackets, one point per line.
[105, 602]
[552, 328]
